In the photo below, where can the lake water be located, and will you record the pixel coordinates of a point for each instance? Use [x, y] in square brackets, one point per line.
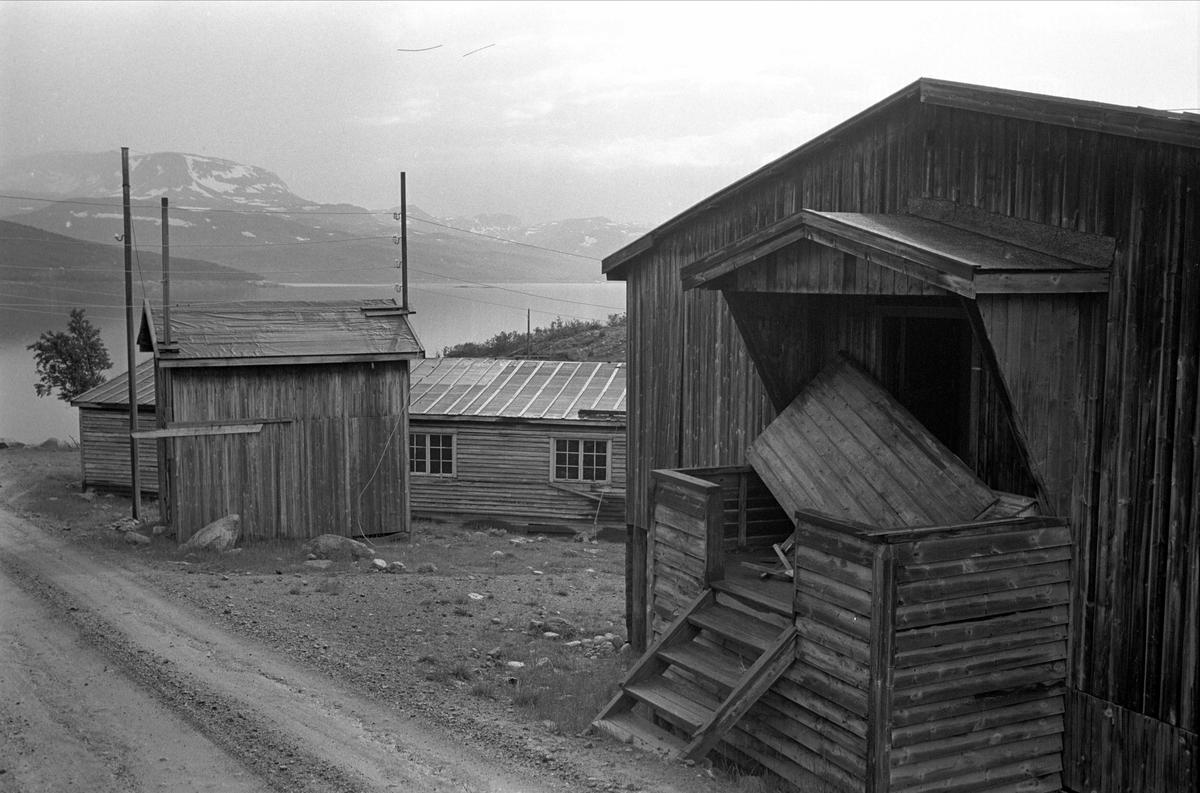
[445, 316]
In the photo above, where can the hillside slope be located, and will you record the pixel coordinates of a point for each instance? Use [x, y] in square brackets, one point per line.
[575, 340]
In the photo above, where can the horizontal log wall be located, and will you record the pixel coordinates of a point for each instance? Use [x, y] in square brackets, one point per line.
[681, 539]
[331, 458]
[104, 450]
[979, 669]
[503, 471]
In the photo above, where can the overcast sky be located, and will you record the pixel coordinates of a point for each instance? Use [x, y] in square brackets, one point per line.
[634, 111]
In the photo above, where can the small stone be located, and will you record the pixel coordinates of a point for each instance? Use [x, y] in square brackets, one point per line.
[474, 596]
[312, 556]
[397, 567]
[575, 643]
[498, 554]
[427, 567]
[320, 564]
[551, 635]
[497, 621]
[133, 538]
[379, 564]
[515, 665]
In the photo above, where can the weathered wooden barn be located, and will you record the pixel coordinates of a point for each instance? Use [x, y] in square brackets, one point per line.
[1017, 277]
[104, 433]
[293, 415]
[539, 444]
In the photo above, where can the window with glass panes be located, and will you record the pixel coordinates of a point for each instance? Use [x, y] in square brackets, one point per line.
[578, 460]
[430, 453]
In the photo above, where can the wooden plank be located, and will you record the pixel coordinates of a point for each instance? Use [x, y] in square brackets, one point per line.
[194, 431]
[974, 740]
[833, 591]
[979, 564]
[979, 606]
[976, 646]
[953, 633]
[787, 733]
[811, 607]
[881, 669]
[714, 561]
[838, 641]
[995, 765]
[977, 721]
[830, 698]
[942, 671]
[1031, 575]
[841, 541]
[981, 684]
[927, 713]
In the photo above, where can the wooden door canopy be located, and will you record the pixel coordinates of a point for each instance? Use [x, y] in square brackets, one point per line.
[847, 449]
[944, 249]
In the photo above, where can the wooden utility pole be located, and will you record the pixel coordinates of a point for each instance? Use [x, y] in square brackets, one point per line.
[528, 332]
[166, 280]
[135, 476]
[403, 242]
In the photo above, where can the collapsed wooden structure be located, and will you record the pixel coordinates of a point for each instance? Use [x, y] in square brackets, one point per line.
[507, 440]
[1021, 274]
[104, 433]
[293, 415]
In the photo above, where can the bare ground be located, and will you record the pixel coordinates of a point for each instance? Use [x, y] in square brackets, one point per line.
[270, 674]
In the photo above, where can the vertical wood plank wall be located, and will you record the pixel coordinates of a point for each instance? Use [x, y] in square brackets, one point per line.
[332, 456]
[1133, 491]
[104, 449]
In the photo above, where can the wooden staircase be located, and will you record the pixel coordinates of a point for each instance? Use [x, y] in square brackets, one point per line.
[705, 671]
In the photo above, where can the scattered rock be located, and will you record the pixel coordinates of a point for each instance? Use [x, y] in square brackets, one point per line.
[551, 635]
[87, 495]
[379, 564]
[560, 626]
[220, 535]
[334, 546]
[498, 554]
[474, 596]
[515, 665]
[320, 564]
[9, 443]
[397, 567]
[133, 538]
[427, 567]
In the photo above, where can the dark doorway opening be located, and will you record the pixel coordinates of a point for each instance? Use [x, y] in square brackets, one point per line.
[927, 367]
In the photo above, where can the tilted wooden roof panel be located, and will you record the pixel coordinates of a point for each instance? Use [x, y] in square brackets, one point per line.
[847, 449]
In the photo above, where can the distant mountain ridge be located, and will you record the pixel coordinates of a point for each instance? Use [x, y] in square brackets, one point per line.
[235, 211]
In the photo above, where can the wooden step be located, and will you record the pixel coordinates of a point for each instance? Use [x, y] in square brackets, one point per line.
[764, 598]
[628, 727]
[670, 701]
[737, 626]
[718, 666]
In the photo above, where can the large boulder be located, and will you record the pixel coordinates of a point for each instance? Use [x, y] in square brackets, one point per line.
[220, 535]
[333, 546]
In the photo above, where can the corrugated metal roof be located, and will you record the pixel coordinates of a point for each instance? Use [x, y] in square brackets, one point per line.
[504, 388]
[115, 393]
[288, 329]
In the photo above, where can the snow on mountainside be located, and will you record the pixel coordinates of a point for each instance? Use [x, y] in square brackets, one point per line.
[183, 178]
[246, 217]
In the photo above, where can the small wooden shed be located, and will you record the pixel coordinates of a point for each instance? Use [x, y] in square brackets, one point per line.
[293, 415]
[540, 444]
[104, 433]
[1021, 274]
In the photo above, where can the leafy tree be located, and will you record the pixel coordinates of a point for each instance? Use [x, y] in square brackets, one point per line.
[72, 362]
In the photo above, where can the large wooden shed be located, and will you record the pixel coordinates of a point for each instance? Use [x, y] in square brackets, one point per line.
[293, 415]
[104, 433]
[539, 444]
[1019, 277]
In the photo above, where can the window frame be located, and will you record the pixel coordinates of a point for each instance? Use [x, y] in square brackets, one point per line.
[608, 456]
[453, 453]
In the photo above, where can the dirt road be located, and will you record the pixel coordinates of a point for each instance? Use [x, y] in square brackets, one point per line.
[106, 686]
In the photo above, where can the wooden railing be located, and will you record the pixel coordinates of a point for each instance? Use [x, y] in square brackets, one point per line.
[750, 514]
[686, 544]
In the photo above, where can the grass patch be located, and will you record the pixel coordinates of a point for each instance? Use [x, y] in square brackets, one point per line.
[567, 688]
